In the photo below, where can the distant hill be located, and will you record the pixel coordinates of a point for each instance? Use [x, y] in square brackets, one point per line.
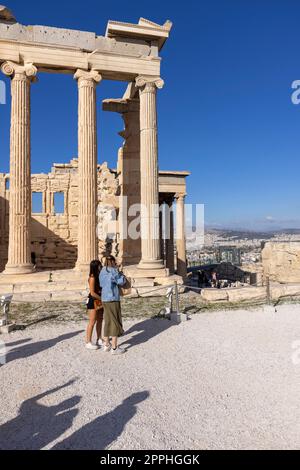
[250, 234]
[289, 231]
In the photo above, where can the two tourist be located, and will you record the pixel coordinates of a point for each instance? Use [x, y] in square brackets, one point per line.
[105, 296]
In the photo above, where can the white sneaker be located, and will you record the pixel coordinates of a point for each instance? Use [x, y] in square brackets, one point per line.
[100, 343]
[91, 346]
[106, 348]
[117, 351]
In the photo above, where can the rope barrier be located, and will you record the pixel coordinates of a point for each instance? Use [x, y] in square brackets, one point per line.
[153, 290]
[191, 287]
[235, 287]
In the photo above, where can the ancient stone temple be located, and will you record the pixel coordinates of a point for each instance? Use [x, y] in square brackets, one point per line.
[71, 237]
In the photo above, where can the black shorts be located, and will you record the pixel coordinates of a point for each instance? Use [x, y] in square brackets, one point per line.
[90, 303]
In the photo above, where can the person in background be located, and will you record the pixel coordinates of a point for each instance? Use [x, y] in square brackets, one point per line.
[214, 278]
[94, 306]
[111, 279]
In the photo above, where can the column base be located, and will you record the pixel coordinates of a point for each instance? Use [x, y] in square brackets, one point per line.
[19, 269]
[134, 272]
[151, 264]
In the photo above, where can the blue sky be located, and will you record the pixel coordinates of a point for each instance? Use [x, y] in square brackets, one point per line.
[225, 113]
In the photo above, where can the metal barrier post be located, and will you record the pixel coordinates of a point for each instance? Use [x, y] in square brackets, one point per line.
[269, 307]
[177, 315]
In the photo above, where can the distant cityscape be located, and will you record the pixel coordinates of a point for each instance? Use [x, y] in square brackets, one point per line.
[236, 247]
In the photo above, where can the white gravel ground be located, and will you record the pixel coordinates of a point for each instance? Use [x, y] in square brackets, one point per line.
[225, 380]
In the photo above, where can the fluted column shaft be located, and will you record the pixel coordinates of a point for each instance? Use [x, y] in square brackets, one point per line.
[161, 234]
[150, 242]
[180, 235]
[87, 167]
[19, 248]
[170, 238]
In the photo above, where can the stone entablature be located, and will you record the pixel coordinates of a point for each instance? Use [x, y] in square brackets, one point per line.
[125, 51]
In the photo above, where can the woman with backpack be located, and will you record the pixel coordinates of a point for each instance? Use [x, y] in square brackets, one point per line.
[111, 279]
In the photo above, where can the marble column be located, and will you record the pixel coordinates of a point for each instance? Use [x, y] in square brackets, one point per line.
[180, 235]
[87, 167]
[19, 248]
[161, 234]
[150, 242]
[169, 244]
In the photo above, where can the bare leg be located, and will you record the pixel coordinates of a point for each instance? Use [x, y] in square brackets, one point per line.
[114, 342]
[91, 324]
[99, 324]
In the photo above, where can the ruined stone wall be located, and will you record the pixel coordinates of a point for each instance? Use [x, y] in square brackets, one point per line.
[108, 210]
[281, 262]
[54, 235]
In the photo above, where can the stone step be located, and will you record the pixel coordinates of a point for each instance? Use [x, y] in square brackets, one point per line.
[59, 296]
[50, 286]
[43, 276]
[6, 289]
[24, 278]
[69, 275]
[27, 287]
[142, 282]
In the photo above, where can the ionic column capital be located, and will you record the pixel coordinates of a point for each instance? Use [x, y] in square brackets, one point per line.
[87, 77]
[180, 196]
[149, 83]
[14, 70]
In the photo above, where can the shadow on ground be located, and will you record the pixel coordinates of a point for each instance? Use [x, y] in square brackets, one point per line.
[17, 343]
[31, 349]
[38, 425]
[192, 309]
[146, 330]
[101, 432]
